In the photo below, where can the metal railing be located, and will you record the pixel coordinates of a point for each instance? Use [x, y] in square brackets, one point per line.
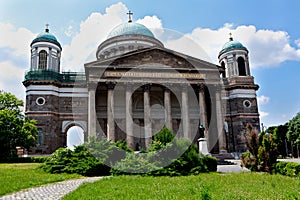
[55, 76]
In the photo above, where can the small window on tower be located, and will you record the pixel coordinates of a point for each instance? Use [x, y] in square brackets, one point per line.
[40, 137]
[43, 60]
[242, 67]
[223, 66]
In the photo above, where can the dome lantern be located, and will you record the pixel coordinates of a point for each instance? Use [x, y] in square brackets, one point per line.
[45, 52]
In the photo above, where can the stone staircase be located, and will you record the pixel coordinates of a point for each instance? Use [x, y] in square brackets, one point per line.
[224, 157]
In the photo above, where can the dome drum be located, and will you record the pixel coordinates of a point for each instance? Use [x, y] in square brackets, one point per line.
[125, 38]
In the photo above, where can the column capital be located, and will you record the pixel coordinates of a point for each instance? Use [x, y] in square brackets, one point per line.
[147, 87]
[201, 87]
[110, 85]
[92, 85]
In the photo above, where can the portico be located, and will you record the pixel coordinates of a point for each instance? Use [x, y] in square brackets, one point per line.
[133, 103]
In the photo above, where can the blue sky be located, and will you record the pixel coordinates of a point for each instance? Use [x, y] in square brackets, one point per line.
[269, 29]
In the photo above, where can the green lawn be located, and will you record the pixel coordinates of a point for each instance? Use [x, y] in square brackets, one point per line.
[14, 177]
[212, 186]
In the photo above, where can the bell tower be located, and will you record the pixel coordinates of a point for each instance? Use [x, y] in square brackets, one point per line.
[241, 99]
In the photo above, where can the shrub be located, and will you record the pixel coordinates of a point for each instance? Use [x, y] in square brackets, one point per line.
[79, 161]
[262, 151]
[281, 168]
[288, 168]
[211, 163]
[39, 159]
[167, 156]
[134, 164]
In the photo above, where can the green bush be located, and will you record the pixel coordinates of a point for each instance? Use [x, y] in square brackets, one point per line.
[134, 164]
[79, 161]
[211, 163]
[288, 168]
[39, 159]
[167, 156]
[16, 160]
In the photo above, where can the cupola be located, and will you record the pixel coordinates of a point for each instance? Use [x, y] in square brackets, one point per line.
[45, 52]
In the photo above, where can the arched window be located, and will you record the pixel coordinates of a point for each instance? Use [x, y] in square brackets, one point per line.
[40, 137]
[75, 137]
[43, 60]
[242, 67]
[223, 66]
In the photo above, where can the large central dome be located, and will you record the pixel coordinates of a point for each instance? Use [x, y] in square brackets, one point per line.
[125, 38]
[130, 29]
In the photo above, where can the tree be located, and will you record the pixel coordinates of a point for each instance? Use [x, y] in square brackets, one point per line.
[262, 151]
[293, 133]
[15, 129]
[279, 134]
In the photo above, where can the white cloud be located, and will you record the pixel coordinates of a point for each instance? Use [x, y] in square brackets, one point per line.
[267, 48]
[69, 31]
[153, 23]
[11, 79]
[263, 114]
[15, 44]
[17, 40]
[92, 32]
[263, 100]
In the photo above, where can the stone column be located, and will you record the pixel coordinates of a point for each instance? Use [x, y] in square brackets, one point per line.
[110, 112]
[203, 113]
[220, 122]
[92, 110]
[167, 105]
[147, 115]
[129, 117]
[185, 112]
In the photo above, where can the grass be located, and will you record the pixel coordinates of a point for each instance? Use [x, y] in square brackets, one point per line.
[205, 186]
[14, 177]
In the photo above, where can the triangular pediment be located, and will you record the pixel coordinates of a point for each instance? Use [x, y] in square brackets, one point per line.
[155, 57]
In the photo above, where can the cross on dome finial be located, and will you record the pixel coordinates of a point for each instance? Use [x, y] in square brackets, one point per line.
[230, 37]
[47, 28]
[129, 16]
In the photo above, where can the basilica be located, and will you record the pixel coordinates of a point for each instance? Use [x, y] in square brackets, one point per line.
[135, 87]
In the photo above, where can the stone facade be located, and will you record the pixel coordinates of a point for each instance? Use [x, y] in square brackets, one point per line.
[130, 95]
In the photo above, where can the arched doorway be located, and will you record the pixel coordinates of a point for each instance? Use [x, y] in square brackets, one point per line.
[75, 137]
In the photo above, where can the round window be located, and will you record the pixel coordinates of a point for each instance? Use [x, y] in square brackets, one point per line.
[247, 104]
[40, 101]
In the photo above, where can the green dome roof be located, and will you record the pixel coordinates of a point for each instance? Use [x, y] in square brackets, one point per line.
[46, 37]
[232, 45]
[130, 29]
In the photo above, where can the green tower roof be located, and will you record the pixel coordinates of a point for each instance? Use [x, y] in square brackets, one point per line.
[46, 37]
[230, 45]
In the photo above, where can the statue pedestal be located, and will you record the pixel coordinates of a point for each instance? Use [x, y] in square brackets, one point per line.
[203, 147]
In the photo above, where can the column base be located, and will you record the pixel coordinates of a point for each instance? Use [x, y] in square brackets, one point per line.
[203, 150]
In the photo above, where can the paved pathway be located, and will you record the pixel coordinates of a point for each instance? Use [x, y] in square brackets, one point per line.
[51, 191]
